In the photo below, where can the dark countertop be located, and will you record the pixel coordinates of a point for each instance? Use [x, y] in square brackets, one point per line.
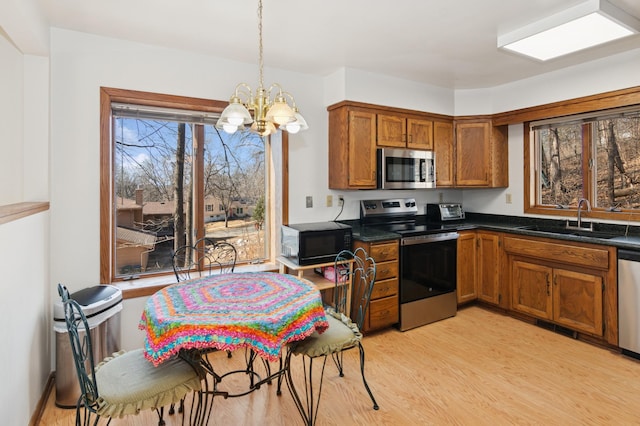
[620, 236]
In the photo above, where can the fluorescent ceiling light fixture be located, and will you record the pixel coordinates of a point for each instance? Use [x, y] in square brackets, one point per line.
[585, 25]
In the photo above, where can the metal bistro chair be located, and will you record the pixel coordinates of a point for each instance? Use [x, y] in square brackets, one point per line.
[342, 334]
[127, 382]
[205, 257]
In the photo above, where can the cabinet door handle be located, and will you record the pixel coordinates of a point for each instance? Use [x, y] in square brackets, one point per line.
[548, 285]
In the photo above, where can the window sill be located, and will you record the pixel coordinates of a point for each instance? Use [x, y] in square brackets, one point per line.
[144, 287]
[571, 213]
[11, 212]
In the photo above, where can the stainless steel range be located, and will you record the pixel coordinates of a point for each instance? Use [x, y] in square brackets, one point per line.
[428, 254]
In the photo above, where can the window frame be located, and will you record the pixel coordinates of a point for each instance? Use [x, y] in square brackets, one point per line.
[107, 159]
[629, 97]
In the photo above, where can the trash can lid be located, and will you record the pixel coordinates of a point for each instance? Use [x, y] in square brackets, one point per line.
[94, 300]
[96, 294]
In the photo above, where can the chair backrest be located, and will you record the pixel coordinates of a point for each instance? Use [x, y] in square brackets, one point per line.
[185, 263]
[81, 347]
[220, 256]
[205, 257]
[362, 273]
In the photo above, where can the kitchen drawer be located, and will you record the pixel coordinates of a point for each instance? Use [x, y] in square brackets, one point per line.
[384, 251]
[582, 255]
[384, 288]
[386, 270]
[383, 312]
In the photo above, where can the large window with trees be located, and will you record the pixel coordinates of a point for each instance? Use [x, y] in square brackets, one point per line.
[169, 177]
[595, 156]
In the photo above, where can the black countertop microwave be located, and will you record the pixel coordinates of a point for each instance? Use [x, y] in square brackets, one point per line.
[311, 243]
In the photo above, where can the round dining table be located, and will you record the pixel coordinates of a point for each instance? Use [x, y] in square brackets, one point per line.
[260, 311]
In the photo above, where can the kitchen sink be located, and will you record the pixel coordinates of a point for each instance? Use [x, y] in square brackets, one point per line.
[571, 231]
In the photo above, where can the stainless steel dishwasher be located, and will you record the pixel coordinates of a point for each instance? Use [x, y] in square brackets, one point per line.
[629, 302]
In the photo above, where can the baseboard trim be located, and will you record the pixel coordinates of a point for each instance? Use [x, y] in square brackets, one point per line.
[36, 418]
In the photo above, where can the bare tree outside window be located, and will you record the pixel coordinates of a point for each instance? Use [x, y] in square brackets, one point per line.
[560, 174]
[618, 163]
[598, 160]
[154, 175]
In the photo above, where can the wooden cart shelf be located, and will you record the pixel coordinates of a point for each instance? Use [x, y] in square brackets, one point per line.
[308, 272]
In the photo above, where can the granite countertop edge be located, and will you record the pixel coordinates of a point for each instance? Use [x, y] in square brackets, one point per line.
[626, 237]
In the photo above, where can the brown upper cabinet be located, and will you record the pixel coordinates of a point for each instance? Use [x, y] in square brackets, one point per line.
[469, 152]
[352, 148]
[398, 131]
[481, 156]
[443, 150]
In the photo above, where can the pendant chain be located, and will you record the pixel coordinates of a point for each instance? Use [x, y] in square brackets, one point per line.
[260, 58]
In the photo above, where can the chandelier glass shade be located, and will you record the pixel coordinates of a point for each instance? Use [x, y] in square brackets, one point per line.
[266, 110]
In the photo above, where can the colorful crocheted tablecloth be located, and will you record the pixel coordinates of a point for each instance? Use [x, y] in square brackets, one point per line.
[263, 311]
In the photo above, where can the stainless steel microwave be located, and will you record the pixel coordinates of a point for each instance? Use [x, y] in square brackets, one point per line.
[405, 169]
[311, 243]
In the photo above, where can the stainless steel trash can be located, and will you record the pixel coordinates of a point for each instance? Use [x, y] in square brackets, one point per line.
[101, 305]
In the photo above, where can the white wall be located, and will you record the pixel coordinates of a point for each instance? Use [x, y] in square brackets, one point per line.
[11, 110]
[26, 314]
[36, 128]
[611, 73]
[24, 249]
[362, 86]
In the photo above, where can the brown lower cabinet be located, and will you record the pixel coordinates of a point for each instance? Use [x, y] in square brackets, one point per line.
[569, 298]
[466, 284]
[384, 306]
[489, 263]
[479, 267]
[573, 285]
[570, 284]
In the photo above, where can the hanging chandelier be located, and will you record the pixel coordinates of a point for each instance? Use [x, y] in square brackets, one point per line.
[258, 109]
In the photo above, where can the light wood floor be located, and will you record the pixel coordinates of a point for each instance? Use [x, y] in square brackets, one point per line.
[478, 368]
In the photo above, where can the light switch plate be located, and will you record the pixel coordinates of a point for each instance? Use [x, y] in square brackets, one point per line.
[309, 201]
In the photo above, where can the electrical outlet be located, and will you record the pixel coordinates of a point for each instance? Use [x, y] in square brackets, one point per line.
[329, 200]
[309, 201]
[507, 198]
[440, 197]
[340, 200]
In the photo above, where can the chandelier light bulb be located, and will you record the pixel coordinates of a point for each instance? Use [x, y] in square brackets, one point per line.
[292, 128]
[235, 120]
[299, 124]
[230, 128]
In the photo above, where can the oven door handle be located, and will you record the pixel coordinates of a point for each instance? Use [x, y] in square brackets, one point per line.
[429, 238]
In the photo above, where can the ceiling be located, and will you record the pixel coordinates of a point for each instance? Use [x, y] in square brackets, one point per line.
[444, 43]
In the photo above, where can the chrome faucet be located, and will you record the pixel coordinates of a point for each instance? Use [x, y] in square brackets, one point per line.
[580, 202]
